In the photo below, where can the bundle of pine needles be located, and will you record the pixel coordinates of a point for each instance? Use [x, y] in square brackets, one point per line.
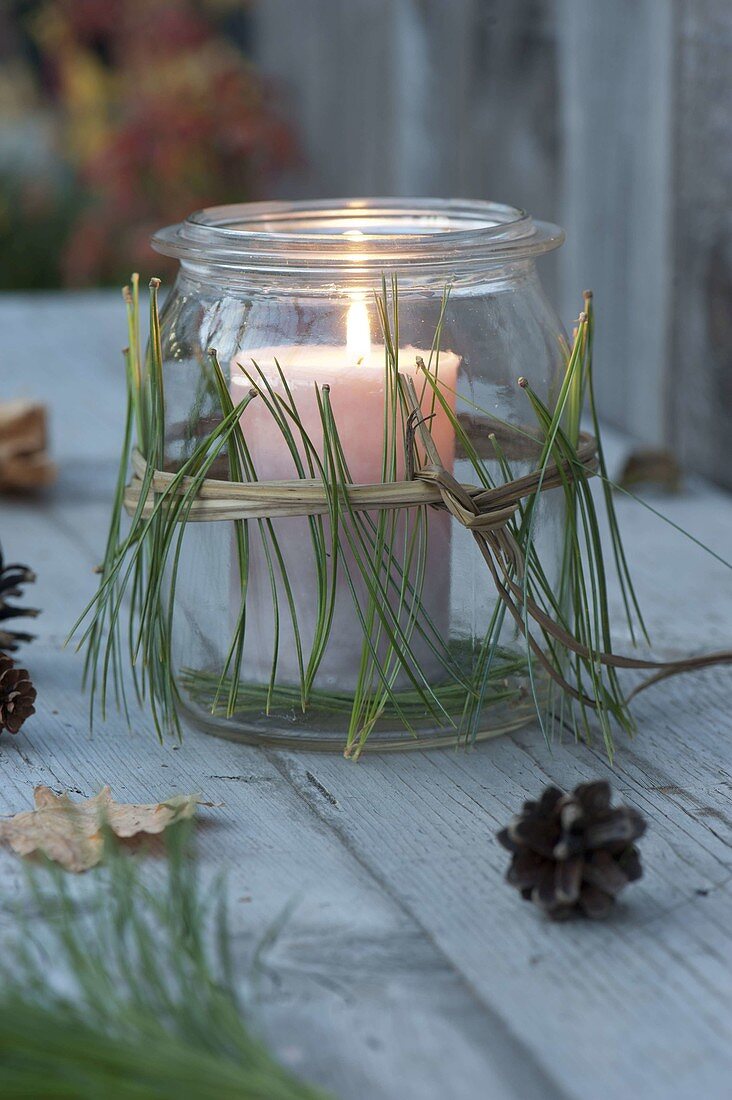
[127, 991]
[382, 555]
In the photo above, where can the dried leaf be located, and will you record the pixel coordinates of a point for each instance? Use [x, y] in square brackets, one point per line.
[72, 833]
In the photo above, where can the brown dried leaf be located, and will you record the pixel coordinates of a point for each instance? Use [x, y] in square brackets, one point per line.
[72, 833]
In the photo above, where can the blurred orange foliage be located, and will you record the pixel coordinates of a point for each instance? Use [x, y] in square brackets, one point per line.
[159, 114]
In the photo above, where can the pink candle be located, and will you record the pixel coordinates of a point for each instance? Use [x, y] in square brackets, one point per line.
[357, 399]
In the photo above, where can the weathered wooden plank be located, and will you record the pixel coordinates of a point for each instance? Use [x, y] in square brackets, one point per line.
[645, 112]
[429, 98]
[700, 386]
[635, 1006]
[616, 77]
[407, 968]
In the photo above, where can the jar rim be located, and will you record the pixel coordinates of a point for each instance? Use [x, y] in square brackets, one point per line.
[358, 235]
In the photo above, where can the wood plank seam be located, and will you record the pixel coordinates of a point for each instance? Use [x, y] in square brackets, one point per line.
[532, 1072]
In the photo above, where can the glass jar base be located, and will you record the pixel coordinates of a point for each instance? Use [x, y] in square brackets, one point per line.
[270, 731]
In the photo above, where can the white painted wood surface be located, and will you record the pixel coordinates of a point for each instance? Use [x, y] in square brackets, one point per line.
[616, 76]
[407, 968]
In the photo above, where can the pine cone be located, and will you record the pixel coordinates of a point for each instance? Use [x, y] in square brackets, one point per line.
[17, 695]
[572, 853]
[11, 579]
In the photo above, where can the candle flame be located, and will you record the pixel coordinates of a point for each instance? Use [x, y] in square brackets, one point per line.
[358, 333]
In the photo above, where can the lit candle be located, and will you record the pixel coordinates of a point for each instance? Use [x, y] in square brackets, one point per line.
[356, 377]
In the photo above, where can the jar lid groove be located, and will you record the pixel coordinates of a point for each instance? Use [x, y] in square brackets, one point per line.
[358, 235]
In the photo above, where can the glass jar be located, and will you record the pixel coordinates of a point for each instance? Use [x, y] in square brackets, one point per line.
[382, 628]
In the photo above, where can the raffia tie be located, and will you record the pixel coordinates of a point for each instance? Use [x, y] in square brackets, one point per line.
[485, 513]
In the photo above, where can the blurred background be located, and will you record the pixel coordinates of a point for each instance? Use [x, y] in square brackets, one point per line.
[611, 117]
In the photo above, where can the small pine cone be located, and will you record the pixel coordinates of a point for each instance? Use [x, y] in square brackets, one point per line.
[11, 578]
[17, 695]
[572, 853]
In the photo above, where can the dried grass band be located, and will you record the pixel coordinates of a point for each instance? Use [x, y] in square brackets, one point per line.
[228, 500]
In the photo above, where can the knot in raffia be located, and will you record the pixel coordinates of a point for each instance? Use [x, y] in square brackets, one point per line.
[486, 514]
[486, 510]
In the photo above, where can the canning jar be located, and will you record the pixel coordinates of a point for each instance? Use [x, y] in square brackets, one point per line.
[355, 628]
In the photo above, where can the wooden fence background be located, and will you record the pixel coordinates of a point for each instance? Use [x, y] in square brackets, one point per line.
[612, 117]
